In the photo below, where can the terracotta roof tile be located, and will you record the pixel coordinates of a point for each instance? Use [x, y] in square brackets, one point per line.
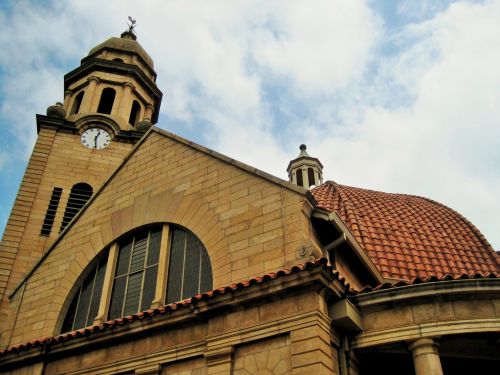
[434, 239]
[321, 262]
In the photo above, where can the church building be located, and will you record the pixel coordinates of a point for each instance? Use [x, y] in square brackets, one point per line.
[131, 250]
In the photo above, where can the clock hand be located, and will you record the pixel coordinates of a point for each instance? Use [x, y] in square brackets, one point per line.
[95, 139]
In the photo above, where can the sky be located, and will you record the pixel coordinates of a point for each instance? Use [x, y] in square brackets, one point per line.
[397, 96]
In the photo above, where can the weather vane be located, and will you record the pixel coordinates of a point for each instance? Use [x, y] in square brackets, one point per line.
[131, 25]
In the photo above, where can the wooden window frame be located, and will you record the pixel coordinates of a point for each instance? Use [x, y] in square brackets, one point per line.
[160, 294]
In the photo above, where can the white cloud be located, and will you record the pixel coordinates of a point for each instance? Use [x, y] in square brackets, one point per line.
[445, 145]
[320, 46]
[255, 79]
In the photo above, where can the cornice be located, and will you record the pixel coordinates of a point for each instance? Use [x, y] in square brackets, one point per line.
[416, 292]
[63, 125]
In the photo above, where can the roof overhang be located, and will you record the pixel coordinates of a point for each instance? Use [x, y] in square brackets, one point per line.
[347, 236]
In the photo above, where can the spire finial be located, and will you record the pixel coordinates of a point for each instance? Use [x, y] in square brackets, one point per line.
[303, 151]
[131, 25]
[130, 34]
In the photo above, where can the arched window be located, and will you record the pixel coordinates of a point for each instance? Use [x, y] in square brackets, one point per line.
[300, 179]
[79, 195]
[134, 113]
[106, 102]
[77, 103]
[134, 279]
[310, 176]
[83, 309]
[189, 267]
[135, 275]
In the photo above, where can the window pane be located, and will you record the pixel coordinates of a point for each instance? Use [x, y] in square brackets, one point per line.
[154, 248]
[133, 294]
[190, 271]
[116, 305]
[139, 253]
[148, 292]
[70, 315]
[206, 272]
[135, 283]
[84, 302]
[176, 266]
[123, 259]
[191, 267]
[96, 294]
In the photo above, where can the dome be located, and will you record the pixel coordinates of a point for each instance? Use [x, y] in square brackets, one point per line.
[128, 43]
[408, 236]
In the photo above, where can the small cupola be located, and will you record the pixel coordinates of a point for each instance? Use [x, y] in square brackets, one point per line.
[305, 170]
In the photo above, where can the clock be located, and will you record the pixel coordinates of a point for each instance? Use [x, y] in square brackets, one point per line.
[96, 138]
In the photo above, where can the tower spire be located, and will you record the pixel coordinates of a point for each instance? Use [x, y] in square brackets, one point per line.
[115, 86]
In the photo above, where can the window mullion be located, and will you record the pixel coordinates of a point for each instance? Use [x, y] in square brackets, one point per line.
[91, 295]
[183, 265]
[107, 286]
[127, 276]
[144, 267]
[77, 306]
[199, 271]
[163, 263]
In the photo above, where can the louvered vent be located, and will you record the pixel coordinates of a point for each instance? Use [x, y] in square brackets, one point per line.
[80, 194]
[51, 212]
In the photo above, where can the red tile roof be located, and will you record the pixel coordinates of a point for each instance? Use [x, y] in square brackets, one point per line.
[408, 236]
[320, 262]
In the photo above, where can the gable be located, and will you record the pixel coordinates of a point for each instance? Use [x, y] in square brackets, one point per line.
[249, 223]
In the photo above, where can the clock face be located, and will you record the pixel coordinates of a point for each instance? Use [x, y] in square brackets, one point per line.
[96, 138]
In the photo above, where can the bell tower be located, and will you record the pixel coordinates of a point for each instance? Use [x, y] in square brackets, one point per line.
[305, 170]
[110, 100]
[115, 86]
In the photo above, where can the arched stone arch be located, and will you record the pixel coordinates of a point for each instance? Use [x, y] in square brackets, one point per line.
[83, 293]
[135, 113]
[187, 211]
[77, 102]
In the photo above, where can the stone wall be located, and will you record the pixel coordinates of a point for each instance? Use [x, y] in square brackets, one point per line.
[58, 160]
[249, 225]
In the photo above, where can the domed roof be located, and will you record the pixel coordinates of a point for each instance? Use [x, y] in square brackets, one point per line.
[408, 236]
[127, 42]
